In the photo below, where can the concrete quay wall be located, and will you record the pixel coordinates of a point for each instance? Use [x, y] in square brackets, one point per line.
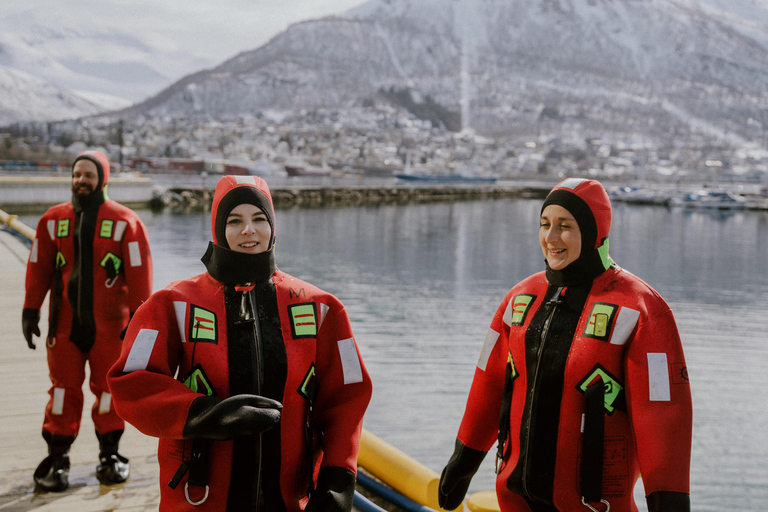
[23, 194]
[30, 194]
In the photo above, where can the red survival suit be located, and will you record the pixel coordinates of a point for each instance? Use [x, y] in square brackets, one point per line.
[548, 348]
[187, 341]
[94, 258]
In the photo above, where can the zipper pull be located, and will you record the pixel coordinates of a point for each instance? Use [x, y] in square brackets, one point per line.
[555, 299]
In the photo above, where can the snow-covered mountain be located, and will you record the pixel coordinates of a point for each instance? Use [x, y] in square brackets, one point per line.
[624, 64]
[24, 97]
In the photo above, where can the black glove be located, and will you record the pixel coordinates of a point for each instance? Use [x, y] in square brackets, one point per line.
[335, 491]
[668, 501]
[240, 415]
[29, 320]
[454, 481]
[122, 334]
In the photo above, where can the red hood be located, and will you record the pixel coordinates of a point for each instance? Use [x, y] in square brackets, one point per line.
[102, 165]
[596, 198]
[232, 191]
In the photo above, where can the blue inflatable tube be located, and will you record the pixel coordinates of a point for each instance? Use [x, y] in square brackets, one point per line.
[388, 494]
[363, 504]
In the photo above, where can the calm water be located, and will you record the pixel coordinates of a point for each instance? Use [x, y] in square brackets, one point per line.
[422, 282]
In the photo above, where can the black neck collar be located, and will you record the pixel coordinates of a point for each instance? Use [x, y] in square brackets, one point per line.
[92, 200]
[233, 268]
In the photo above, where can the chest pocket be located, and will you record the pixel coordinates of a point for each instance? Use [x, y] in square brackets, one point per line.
[611, 323]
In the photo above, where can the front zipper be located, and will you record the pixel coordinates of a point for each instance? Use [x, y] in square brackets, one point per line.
[554, 301]
[249, 313]
[80, 268]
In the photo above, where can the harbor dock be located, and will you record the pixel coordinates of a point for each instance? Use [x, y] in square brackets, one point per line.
[24, 380]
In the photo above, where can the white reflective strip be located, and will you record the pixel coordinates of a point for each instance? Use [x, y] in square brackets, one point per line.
[658, 377]
[33, 252]
[58, 401]
[138, 358]
[490, 342]
[52, 229]
[245, 179]
[323, 311]
[572, 183]
[507, 318]
[181, 315]
[119, 230]
[350, 363]
[134, 254]
[625, 324]
[105, 403]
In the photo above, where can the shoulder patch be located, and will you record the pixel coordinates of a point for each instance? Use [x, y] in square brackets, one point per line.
[518, 308]
[600, 321]
[303, 320]
[106, 228]
[202, 325]
[62, 228]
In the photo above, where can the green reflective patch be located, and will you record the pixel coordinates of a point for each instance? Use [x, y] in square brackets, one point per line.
[62, 228]
[614, 391]
[511, 362]
[605, 258]
[198, 382]
[600, 321]
[202, 325]
[109, 257]
[520, 305]
[106, 228]
[307, 388]
[303, 320]
[60, 260]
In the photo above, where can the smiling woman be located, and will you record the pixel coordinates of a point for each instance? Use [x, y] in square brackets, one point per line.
[248, 229]
[559, 236]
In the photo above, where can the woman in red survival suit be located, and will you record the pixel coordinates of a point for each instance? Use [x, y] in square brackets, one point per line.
[581, 380]
[251, 378]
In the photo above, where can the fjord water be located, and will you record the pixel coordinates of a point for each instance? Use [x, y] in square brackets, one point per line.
[422, 282]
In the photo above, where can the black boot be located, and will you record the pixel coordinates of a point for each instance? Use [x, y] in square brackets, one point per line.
[113, 468]
[52, 474]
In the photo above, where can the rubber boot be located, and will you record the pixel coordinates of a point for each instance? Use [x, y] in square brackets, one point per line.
[113, 468]
[52, 474]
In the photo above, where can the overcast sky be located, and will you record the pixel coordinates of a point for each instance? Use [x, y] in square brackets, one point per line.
[212, 29]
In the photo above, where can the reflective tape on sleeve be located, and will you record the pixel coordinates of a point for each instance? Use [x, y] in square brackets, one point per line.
[134, 254]
[625, 324]
[181, 316]
[350, 362]
[323, 311]
[119, 230]
[141, 351]
[658, 377]
[490, 342]
[33, 252]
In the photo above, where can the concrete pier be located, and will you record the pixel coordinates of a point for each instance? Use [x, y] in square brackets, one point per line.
[28, 194]
[24, 381]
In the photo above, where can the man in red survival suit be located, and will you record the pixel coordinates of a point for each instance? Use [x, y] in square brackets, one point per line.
[93, 255]
[251, 378]
[582, 380]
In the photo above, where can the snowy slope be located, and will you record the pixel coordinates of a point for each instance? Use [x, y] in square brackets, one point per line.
[624, 64]
[24, 97]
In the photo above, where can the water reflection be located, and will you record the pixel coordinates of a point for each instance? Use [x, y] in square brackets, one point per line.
[422, 282]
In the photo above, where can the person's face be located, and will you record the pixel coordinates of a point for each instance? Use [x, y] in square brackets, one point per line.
[560, 237]
[248, 229]
[85, 177]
